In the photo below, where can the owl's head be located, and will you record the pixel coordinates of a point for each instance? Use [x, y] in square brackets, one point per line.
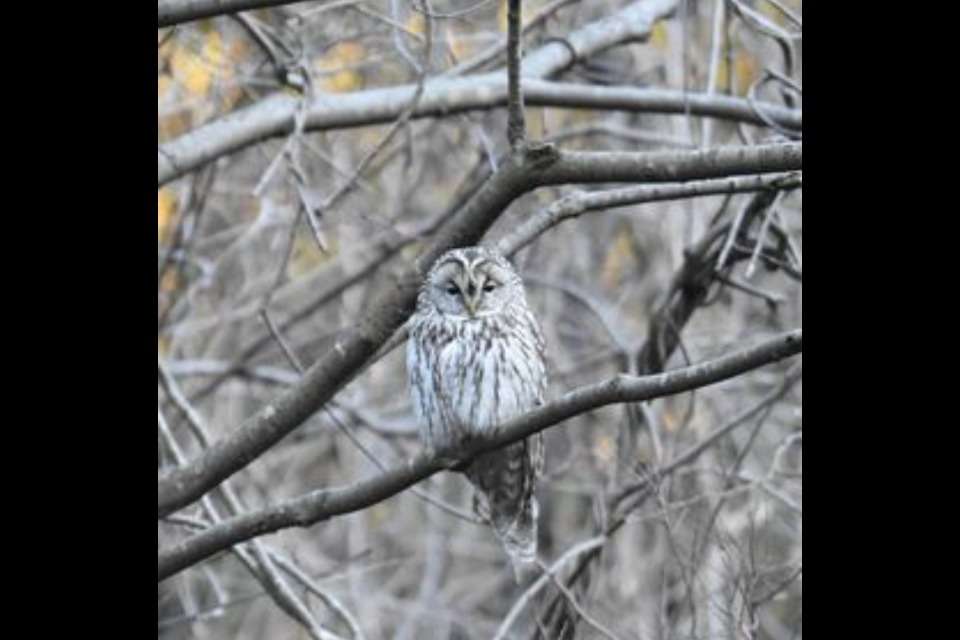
[471, 282]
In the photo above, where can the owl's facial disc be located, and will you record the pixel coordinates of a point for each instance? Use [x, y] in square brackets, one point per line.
[467, 289]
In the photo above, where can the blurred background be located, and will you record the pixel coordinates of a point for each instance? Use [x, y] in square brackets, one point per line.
[711, 550]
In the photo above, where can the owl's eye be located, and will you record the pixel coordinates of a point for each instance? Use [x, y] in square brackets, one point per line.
[452, 289]
[489, 286]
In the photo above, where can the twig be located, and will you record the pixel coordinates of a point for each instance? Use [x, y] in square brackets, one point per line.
[755, 19]
[713, 74]
[275, 333]
[295, 362]
[779, 587]
[267, 575]
[272, 116]
[210, 612]
[391, 244]
[263, 373]
[426, 497]
[401, 122]
[685, 569]
[541, 582]
[351, 351]
[397, 27]
[170, 12]
[694, 452]
[599, 308]
[765, 484]
[276, 61]
[762, 114]
[327, 503]
[604, 631]
[488, 55]
[166, 37]
[745, 215]
[761, 236]
[262, 569]
[308, 582]
[772, 299]
[454, 14]
[516, 128]
[580, 202]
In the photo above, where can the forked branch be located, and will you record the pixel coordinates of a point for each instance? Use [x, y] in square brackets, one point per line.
[326, 503]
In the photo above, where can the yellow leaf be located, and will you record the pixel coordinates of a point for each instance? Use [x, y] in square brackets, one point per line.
[658, 36]
[723, 75]
[166, 212]
[416, 24]
[163, 345]
[172, 125]
[745, 70]
[348, 52]
[604, 448]
[338, 78]
[459, 46]
[166, 49]
[213, 50]
[669, 420]
[216, 55]
[190, 71]
[620, 256]
[164, 84]
[170, 281]
[342, 82]
[305, 256]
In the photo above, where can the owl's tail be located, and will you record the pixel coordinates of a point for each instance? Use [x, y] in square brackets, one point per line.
[505, 480]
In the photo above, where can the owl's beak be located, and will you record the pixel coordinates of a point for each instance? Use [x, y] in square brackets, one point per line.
[471, 304]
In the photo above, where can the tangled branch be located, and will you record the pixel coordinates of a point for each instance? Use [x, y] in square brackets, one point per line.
[326, 503]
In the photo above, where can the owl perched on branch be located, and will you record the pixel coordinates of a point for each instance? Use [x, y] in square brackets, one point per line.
[475, 359]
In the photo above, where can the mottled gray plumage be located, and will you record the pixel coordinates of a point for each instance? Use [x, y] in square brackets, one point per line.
[475, 359]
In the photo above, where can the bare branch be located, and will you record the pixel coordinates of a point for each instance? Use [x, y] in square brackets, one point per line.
[490, 54]
[171, 12]
[258, 559]
[182, 486]
[572, 599]
[326, 503]
[516, 127]
[581, 202]
[541, 582]
[274, 116]
[713, 75]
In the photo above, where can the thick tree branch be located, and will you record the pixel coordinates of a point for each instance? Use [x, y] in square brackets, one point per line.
[326, 503]
[670, 166]
[391, 243]
[274, 116]
[518, 175]
[171, 12]
[581, 202]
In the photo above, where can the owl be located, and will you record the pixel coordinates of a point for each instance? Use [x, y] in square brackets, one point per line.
[475, 359]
